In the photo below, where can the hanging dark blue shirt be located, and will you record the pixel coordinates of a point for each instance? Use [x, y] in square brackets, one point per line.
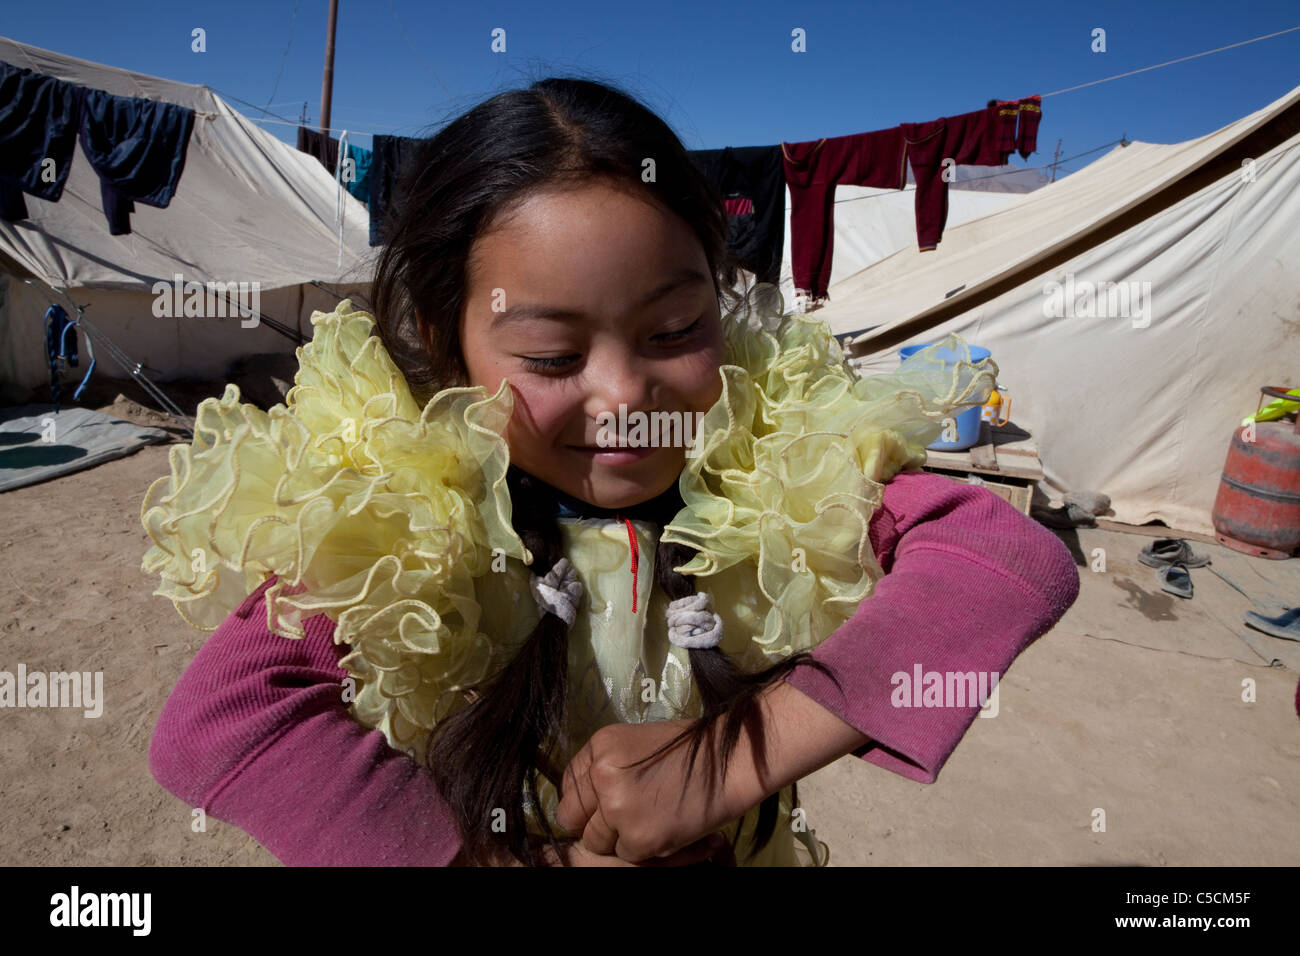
[388, 160]
[138, 149]
[39, 116]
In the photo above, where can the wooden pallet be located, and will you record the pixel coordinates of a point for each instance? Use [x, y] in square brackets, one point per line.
[1005, 460]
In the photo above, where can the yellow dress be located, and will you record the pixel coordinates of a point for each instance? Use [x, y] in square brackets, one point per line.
[395, 521]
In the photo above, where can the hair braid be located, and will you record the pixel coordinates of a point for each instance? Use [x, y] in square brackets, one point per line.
[726, 691]
[487, 756]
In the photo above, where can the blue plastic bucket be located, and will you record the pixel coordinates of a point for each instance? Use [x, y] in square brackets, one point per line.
[968, 420]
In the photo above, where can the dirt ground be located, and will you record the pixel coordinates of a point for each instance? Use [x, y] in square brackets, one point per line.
[1132, 704]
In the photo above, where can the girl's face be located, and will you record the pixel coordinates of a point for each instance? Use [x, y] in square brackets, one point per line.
[588, 299]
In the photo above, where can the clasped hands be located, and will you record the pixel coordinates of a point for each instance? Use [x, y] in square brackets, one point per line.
[655, 813]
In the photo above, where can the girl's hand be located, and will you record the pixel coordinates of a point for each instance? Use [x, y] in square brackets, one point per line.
[652, 811]
[712, 849]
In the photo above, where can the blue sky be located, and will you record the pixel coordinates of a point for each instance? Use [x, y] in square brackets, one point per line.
[721, 73]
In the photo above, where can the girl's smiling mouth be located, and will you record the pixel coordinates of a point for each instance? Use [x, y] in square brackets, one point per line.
[614, 455]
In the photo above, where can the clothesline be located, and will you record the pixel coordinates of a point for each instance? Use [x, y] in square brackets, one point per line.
[280, 120]
[284, 122]
[981, 137]
[1119, 76]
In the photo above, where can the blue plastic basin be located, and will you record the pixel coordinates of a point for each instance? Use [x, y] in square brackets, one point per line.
[967, 420]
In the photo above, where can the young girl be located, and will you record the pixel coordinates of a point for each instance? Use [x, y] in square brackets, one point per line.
[578, 530]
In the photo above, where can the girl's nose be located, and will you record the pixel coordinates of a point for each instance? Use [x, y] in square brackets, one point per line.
[620, 380]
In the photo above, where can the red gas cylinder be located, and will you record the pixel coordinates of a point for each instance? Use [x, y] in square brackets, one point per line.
[1257, 509]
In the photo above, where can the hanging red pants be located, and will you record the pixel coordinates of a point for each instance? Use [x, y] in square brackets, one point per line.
[1031, 111]
[813, 169]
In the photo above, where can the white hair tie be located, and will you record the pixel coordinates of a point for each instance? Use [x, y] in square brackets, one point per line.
[692, 623]
[559, 591]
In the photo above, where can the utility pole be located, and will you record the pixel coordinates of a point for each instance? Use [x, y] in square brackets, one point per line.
[327, 81]
[1055, 157]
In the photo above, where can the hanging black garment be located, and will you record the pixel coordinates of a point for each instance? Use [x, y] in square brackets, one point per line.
[757, 231]
[325, 148]
[39, 116]
[138, 148]
[389, 159]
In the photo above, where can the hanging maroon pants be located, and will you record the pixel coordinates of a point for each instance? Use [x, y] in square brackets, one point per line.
[812, 171]
[1031, 111]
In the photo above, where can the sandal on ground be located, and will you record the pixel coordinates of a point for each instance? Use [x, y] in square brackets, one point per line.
[1176, 579]
[1286, 625]
[1163, 552]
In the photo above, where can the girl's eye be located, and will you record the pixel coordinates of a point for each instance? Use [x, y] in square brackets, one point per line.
[681, 333]
[563, 361]
[546, 364]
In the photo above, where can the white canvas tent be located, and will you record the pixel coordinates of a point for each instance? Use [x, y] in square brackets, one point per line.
[1138, 407]
[249, 208]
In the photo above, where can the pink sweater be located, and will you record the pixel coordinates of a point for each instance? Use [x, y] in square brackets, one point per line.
[256, 732]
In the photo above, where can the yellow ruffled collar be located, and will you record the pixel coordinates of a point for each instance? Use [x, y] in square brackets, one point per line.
[381, 514]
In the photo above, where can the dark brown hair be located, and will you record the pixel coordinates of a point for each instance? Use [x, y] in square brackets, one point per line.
[487, 756]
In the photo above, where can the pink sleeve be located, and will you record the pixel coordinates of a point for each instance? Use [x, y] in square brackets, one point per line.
[256, 733]
[970, 582]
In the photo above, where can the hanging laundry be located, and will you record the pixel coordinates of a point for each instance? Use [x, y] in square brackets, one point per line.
[1008, 113]
[325, 148]
[812, 171]
[387, 162]
[979, 138]
[138, 148]
[751, 180]
[39, 116]
[969, 139]
[57, 333]
[1031, 111]
[60, 338]
[360, 185]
